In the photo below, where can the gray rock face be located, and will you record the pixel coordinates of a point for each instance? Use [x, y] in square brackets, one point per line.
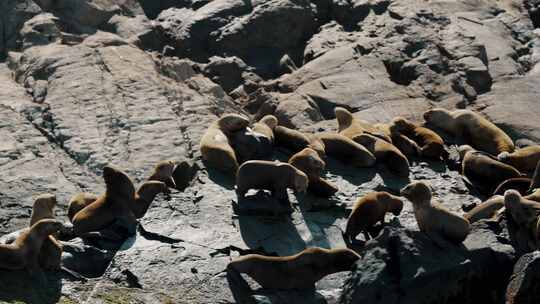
[87, 83]
[523, 287]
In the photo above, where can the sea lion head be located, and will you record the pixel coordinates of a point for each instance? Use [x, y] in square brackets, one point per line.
[47, 201]
[229, 123]
[344, 118]
[395, 205]
[117, 181]
[417, 192]
[512, 198]
[400, 124]
[437, 116]
[164, 171]
[314, 159]
[300, 181]
[47, 226]
[270, 120]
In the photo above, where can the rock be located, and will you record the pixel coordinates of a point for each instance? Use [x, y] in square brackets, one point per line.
[294, 111]
[524, 287]
[13, 15]
[407, 267]
[90, 13]
[229, 72]
[137, 30]
[40, 30]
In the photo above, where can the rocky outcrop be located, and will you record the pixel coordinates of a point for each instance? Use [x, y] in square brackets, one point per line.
[524, 287]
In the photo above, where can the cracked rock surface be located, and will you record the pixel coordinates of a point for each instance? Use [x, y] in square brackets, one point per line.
[89, 82]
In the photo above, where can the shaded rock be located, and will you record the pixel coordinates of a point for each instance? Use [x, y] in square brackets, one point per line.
[407, 267]
[137, 30]
[524, 285]
[13, 15]
[40, 30]
[229, 72]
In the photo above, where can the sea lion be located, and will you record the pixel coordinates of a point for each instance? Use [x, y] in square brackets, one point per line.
[144, 197]
[521, 184]
[163, 172]
[215, 146]
[250, 145]
[524, 213]
[535, 181]
[266, 126]
[300, 271]
[309, 162]
[485, 210]
[385, 153]
[525, 160]
[484, 171]
[113, 205]
[346, 150]
[50, 255]
[430, 143]
[23, 253]
[369, 210]
[432, 218]
[472, 128]
[273, 176]
[349, 126]
[407, 146]
[296, 141]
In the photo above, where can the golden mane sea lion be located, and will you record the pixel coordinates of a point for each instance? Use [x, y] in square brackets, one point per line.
[432, 218]
[300, 271]
[472, 128]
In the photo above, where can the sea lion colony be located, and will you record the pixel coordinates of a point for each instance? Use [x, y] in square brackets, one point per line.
[488, 161]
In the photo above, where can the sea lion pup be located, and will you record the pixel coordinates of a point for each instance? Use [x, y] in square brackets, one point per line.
[430, 143]
[23, 253]
[525, 160]
[144, 197]
[50, 255]
[269, 175]
[346, 150]
[483, 170]
[349, 126]
[486, 210]
[215, 147]
[296, 141]
[432, 218]
[385, 153]
[472, 128]
[266, 126]
[369, 210]
[309, 162]
[113, 205]
[163, 172]
[300, 271]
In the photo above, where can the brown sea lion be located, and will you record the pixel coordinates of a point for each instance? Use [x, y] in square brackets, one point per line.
[525, 159]
[50, 255]
[23, 253]
[407, 146]
[143, 199]
[369, 210]
[349, 126]
[346, 150]
[535, 181]
[113, 205]
[163, 172]
[483, 170]
[432, 218]
[296, 141]
[215, 147]
[269, 175]
[300, 271]
[385, 153]
[521, 184]
[471, 128]
[485, 210]
[184, 173]
[430, 143]
[309, 162]
[266, 126]
[525, 213]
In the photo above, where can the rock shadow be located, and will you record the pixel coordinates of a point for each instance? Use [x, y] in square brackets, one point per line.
[21, 287]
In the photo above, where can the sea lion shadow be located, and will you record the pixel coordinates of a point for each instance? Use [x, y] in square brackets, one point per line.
[261, 203]
[226, 181]
[393, 183]
[88, 261]
[276, 234]
[354, 175]
[21, 287]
